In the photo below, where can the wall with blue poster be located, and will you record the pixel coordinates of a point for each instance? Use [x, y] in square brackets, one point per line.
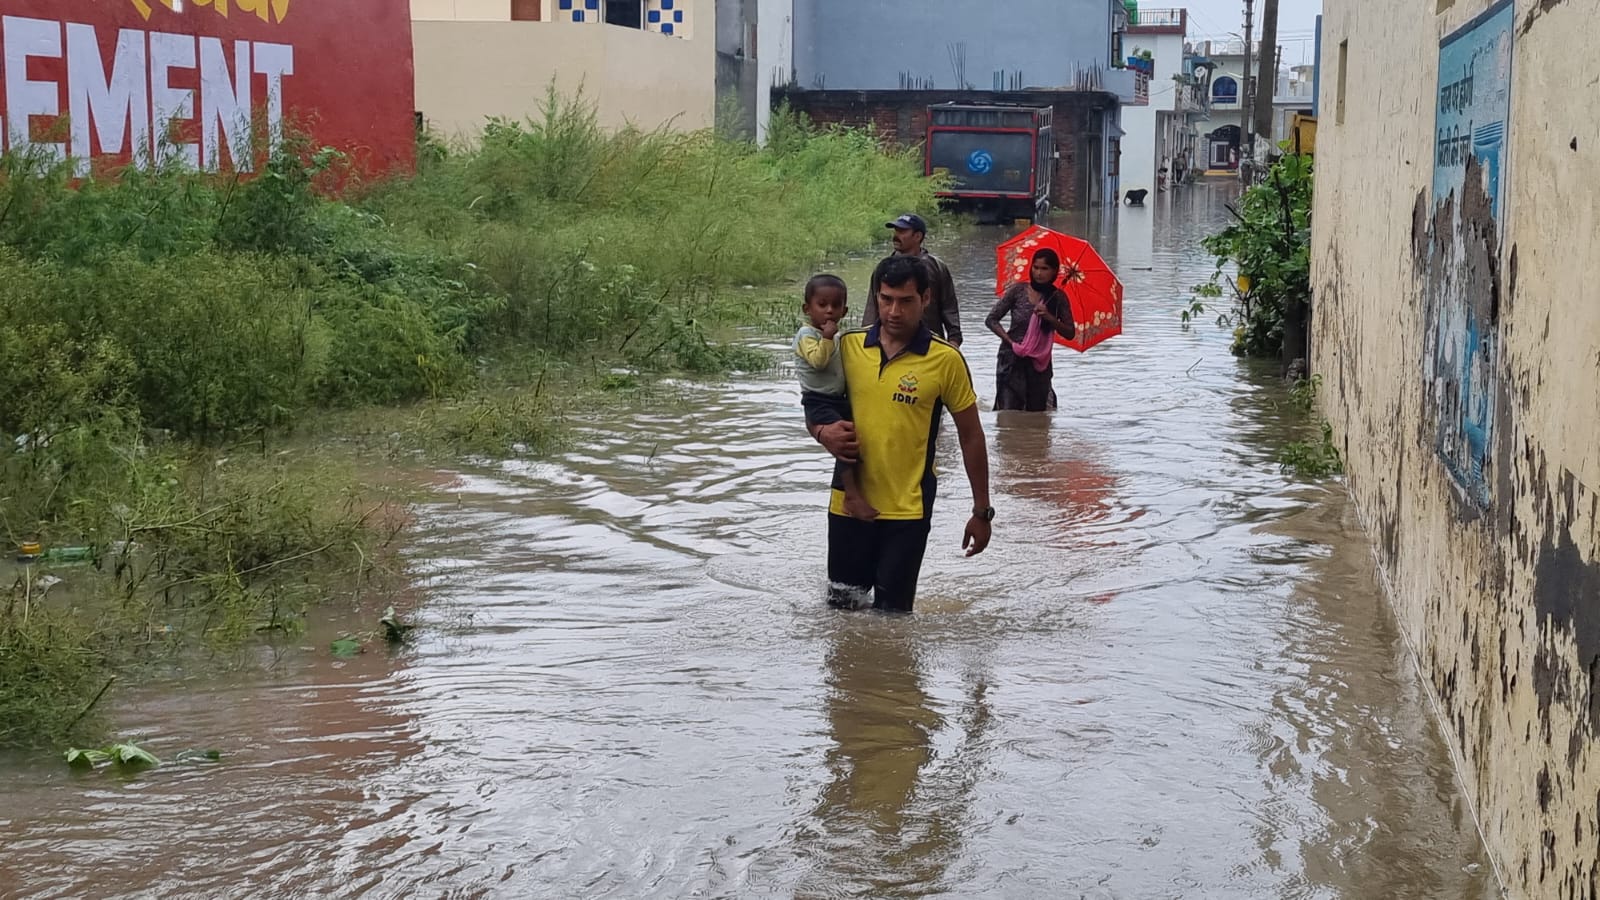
[1472, 111]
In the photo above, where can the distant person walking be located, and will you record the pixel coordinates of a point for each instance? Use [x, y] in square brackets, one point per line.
[943, 315]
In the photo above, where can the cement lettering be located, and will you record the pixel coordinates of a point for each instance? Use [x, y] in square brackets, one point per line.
[112, 111]
[134, 83]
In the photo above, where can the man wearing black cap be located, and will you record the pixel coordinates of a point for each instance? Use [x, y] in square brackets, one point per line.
[942, 316]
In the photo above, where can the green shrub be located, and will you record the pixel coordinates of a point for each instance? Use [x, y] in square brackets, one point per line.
[1270, 244]
[219, 342]
[51, 670]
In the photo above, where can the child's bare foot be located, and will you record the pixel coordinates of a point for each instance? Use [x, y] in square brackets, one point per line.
[857, 507]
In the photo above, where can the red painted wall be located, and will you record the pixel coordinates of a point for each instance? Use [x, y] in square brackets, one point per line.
[104, 78]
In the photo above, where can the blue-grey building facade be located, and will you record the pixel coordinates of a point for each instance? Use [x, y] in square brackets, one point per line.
[880, 45]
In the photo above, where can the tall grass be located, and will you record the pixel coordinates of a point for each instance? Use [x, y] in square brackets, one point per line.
[589, 236]
[153, 324]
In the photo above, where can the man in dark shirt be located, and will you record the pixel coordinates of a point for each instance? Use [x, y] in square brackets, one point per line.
[942, 316]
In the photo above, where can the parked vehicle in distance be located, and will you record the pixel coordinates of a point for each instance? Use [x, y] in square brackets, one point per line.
[1000, 158]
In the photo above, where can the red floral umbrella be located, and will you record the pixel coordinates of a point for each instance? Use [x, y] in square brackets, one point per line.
[1091, 286]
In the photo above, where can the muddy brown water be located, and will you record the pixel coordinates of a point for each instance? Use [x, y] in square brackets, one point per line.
[1173, 675]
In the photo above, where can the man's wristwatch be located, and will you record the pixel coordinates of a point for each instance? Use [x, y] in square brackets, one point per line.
[986, 513]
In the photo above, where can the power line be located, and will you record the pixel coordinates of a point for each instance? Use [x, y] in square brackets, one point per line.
[1204, 20]
[1297, 35]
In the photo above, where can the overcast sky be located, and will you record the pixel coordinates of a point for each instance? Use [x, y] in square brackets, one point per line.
[1213, 19]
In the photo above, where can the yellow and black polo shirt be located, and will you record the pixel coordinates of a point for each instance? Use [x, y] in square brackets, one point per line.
[897, 404]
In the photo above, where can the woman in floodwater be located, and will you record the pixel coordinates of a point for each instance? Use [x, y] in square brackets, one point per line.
[1039, 311]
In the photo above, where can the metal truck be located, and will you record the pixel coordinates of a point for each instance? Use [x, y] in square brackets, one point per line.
[1000, 159]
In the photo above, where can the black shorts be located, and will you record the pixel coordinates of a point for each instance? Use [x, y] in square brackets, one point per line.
[884, 557]
[825, 409]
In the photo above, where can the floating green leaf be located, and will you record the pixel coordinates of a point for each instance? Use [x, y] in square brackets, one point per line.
[85, 759]
[130, 756]
[346, 646]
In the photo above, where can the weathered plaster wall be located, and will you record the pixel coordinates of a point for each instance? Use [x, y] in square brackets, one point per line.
[1494, 569]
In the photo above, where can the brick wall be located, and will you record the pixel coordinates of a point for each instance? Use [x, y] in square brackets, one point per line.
[900, 119]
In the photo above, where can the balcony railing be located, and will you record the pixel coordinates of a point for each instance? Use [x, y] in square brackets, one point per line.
[1190, 98]
[1160, 18]
[1222, 48]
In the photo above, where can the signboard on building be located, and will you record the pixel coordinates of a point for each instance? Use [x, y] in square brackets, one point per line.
[205, 81]
[1472, 113]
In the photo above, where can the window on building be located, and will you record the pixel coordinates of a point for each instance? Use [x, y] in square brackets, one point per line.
[1344, 61]
[526, 11]
[1225, 90]
[627, 13]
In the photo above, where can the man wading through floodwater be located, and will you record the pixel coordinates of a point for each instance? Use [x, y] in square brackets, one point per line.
[943, 313]
[899, 378]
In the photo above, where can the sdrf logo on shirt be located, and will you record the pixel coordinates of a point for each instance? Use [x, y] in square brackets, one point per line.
[907, 393]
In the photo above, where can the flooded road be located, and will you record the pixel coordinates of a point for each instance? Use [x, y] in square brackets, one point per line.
[1172, 675]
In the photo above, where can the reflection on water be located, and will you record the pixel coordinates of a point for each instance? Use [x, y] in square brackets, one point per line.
[882, 726]
[1172, 675]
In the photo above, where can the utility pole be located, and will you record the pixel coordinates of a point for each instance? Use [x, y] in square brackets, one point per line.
[1247, 105]
[1267, 84]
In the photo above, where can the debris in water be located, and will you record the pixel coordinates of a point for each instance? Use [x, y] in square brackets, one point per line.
[394, 629]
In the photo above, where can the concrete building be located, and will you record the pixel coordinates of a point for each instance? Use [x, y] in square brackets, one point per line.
[738, 73]
[1456, 327]
[1166, 126]
[952, 44]
[755, 53]
[1229, 124]
[774, 55]
[1292, 96]
[871, 63]
[1223, 143]
[645, 62]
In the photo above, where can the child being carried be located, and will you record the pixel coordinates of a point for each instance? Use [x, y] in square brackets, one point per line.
[821, 373]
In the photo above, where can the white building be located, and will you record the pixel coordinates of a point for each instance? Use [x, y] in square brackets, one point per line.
[1293, 95]
[1158, 133]
[1225, 134]
[1221, 145]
